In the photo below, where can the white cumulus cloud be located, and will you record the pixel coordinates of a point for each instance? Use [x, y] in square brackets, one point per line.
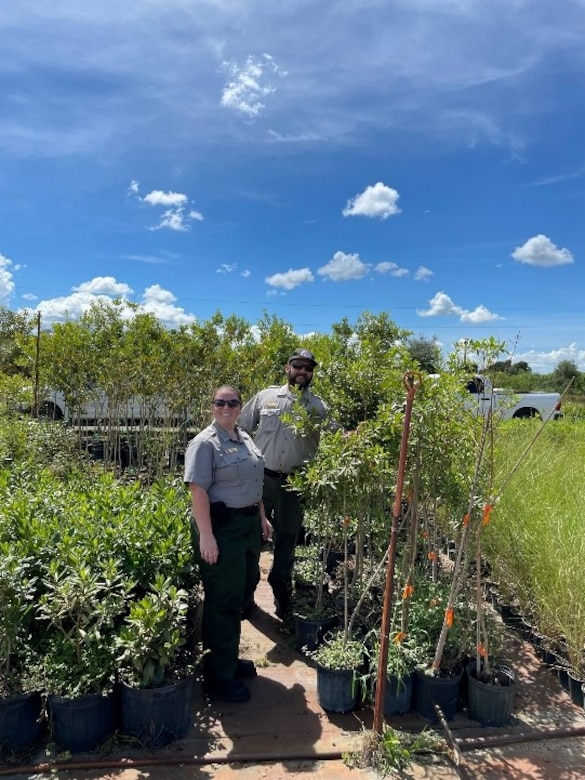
[343, 267]
[544, 362]
[6, 279]
[378, 201]
[69, 306]
[423, 274]
[441, 305]
[104, 285]
[540, 250]
[390, 268]
[155, 300]
[157, 294]
[160, 198]
[176, 216]
[290, 279]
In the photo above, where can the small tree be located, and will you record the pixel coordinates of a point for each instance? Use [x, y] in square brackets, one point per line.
[564, 372]
[426, 352]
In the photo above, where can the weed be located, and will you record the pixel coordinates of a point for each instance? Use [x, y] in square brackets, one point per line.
[393, 750]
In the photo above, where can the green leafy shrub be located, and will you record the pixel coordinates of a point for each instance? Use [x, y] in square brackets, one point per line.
[390, 752]
[339, 652]
[428, 603]
[149, 643]
[80, 610]
[17, 593]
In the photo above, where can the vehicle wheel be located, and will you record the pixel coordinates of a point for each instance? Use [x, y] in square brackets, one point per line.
[526, 413]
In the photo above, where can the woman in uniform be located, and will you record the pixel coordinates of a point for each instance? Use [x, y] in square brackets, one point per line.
[225, 471]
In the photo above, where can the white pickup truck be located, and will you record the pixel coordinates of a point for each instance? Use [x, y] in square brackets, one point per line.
[506, 404]
[131, 412]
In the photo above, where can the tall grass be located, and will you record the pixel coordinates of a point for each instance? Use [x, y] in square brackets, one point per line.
[536, 540]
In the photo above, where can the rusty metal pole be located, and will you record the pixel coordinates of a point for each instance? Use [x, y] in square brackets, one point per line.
[411, 382]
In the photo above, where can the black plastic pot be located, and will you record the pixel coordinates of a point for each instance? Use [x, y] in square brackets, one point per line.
[158, 716]
[430, 690]
[334, 558]
[20, 724]
[491, 703]
[511, 617]
[84, 722]
[575, 688]
[336, 689]
[97, 450]
[563, 675]
[309, 633]
[397, 694]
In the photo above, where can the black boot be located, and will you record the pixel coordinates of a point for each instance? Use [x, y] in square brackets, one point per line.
[233, 691]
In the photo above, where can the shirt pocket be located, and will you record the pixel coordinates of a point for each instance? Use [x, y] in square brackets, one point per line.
[269, 419]
[229, 465]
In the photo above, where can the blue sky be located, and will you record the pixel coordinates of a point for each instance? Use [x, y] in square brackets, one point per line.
[309, 159]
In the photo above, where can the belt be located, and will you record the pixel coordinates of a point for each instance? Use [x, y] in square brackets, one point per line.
[244, 510]
[277, 474]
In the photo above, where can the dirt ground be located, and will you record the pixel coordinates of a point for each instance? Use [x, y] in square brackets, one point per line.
[283, 733]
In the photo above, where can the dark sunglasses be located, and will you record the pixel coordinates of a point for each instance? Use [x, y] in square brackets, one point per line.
[233, 403]
[299, 366]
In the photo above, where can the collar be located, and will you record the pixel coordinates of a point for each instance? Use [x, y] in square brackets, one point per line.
[285, 390]
[223, 434]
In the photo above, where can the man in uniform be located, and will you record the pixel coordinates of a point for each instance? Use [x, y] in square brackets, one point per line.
[283, 451]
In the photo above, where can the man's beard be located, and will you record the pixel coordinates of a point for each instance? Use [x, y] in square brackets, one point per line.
[305, 381]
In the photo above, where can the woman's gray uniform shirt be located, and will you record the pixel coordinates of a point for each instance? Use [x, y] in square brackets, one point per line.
[230, 470]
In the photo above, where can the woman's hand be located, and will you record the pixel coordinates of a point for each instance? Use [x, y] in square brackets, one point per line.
[208, 547]
[266, 528]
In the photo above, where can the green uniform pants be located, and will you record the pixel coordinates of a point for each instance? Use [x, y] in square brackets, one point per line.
[224, 584]
[285, 511]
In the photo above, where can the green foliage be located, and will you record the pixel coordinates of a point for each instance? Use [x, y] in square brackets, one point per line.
[339, 651]
[426, 352]
[393, 750]
[443, 443]
[534, 543]
[17, 592]
[77, 552]
[58, 511]
[361, 367]
[38, 444]
[565, 371]
[574, 411]
[404, 654]
[15, 395]
[152, 636]
[80, 609]
[308, 568]
[344, 489]
[508, 367]
[264, 362]
[15, 342]
[428, 603]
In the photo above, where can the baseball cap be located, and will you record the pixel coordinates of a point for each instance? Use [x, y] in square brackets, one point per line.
[303, 354]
